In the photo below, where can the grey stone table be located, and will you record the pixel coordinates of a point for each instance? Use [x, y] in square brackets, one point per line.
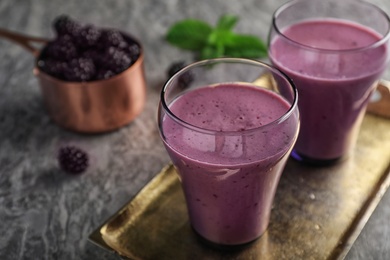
[47, 214]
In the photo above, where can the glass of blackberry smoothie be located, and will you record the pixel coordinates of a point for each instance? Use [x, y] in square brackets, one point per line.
[335, 52]
[229, 138]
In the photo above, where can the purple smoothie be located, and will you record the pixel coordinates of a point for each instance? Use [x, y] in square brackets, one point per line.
[230, 170]
[335, 76]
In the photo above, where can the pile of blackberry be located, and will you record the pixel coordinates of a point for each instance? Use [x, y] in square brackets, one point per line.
[86, 53]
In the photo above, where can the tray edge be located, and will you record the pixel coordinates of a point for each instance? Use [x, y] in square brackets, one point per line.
[96, 237]
[369, 206]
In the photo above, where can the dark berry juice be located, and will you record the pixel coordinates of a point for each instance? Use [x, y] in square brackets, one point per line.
[230, 169]
[335, 70]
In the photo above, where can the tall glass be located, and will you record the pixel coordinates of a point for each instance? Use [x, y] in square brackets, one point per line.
[229, 137]
[334, 51]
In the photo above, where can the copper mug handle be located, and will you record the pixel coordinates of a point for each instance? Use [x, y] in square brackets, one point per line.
[23, 40]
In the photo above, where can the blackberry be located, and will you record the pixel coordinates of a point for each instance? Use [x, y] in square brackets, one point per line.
[112, 38]
[63, 25]
[115, 60]
[85, 53]
[61, 49]
[80, 69]
[72, 159]
[87, 37]
[175, 67]
[92, 54]
[53, 67]
[184, 79]
[104, 74]
[134, 51]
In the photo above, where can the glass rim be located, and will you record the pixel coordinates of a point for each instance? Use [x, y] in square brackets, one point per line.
[285, 116]
[375, 44]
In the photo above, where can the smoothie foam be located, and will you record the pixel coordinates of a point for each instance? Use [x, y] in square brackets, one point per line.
[229, 171]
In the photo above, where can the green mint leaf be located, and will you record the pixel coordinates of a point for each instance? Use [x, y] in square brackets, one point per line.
[226, 22]
[208, 42]
[220, 37]
[189, 34]
[245, 46]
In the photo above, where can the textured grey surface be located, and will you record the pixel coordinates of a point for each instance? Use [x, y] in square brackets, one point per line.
[46, 214]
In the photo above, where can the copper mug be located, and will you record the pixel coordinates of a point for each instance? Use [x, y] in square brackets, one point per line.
[89, 107]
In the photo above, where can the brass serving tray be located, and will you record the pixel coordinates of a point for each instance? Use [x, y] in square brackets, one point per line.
[318, 212]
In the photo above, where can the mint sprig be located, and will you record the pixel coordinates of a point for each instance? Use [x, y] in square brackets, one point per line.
[213, 42]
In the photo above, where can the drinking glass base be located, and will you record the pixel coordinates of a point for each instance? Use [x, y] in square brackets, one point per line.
[223, 247]
[313, 161]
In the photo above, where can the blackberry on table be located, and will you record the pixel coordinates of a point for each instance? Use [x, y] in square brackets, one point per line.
[184, 79]
[72, 159]
[175, 67]
[80, 69]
